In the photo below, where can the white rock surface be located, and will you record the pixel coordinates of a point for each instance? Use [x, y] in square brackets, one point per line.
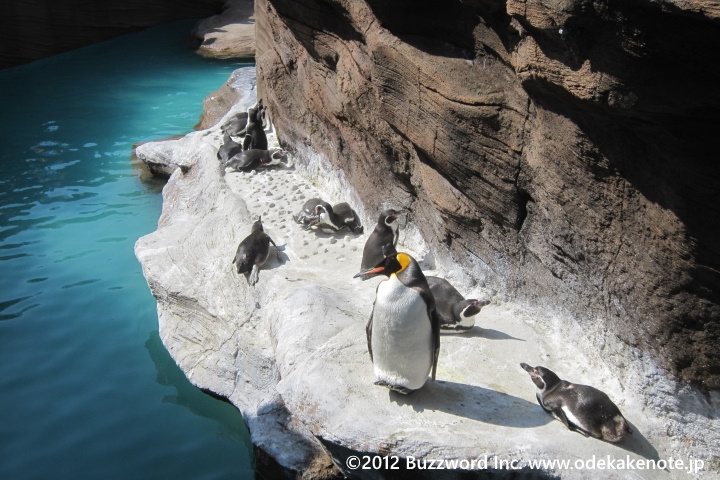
[291, 352]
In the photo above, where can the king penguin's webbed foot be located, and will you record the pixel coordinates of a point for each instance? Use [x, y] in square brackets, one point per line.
[394, 388]
[403, 390]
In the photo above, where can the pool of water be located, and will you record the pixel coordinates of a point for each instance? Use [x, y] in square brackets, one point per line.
[87, 391]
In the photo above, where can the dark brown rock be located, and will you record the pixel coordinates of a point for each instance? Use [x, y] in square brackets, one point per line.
[561, 150]
[33, 29]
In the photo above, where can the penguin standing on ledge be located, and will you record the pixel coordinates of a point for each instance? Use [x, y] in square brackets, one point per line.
[255, 137]
[403, 332]
[581, 408]
[455, 312]
[382, 241]
[253, 252]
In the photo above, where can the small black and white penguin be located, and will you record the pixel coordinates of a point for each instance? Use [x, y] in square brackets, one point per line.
[382, 241]
[250, 159]
[228, 149]
[581, 408]
[235, 126]
[456, 313]
[403, 332]
[335, 218]
[307, 215]
[254, 132]
[253, 252]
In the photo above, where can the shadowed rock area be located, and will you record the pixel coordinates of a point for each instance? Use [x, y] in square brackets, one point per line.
[230, 34]
[34, 29]
[560, 151]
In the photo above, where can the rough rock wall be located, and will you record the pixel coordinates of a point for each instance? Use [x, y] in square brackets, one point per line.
[33, 29]
[560, 150]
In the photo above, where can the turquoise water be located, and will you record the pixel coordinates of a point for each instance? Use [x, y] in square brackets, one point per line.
[87, 390]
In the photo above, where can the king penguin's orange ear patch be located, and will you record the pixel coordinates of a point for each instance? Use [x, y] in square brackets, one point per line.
[404, 261]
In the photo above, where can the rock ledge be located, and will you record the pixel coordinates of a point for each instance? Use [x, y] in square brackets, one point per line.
[290, 353]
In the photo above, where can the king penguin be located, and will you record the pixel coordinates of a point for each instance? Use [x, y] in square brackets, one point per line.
[580, 408]
[382, 241]
[403, 332]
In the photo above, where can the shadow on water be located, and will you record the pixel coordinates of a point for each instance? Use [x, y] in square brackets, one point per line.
[229, 420]
[474, 402]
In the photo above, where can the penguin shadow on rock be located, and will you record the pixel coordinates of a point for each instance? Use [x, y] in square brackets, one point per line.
[279, 259]
[475, 403]
[486, 333]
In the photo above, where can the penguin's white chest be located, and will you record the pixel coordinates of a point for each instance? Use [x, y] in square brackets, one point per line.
[401, 336]
[395, 231]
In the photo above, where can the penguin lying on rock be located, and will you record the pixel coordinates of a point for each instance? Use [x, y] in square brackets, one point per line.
[253, 252]
[382, 241]
[250, 159]
[455, 312]
[307, 215]
[235, 125]
[581, 408]
[403, 332]
[335, 218]
[228, 149]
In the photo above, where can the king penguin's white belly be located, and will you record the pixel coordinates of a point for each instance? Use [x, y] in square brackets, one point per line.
[401, 336]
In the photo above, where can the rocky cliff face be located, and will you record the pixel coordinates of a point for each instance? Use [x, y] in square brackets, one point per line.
[561, 151]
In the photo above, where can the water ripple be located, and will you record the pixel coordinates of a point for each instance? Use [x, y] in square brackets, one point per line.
[81, 283]
[11, 257]
[12, 316]
[71, 202]
[10, 303]
[75, 256]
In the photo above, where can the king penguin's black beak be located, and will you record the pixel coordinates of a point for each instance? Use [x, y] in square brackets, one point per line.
[373, 272]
